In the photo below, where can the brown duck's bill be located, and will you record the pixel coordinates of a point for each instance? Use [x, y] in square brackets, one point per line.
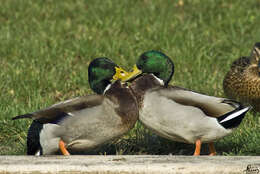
[133, 74]
[256, 53]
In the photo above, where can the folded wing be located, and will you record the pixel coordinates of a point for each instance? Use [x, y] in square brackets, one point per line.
[58, 111]
[211, 106]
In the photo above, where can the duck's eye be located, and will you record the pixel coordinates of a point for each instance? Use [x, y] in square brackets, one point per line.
[122, 73]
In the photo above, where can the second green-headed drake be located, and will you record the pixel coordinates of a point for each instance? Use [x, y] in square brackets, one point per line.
[85, 122]
[242, 82]
[176, 113]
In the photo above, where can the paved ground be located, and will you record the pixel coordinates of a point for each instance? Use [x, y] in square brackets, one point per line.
[129, 164]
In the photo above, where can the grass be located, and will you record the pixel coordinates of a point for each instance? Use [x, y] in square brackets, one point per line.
[45, 48]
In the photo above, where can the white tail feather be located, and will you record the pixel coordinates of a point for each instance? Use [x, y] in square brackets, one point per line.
[235, 114]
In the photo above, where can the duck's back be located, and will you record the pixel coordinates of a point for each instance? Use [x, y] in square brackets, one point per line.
[240, 64]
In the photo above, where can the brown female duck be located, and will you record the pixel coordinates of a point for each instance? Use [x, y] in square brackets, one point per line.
[242, 82]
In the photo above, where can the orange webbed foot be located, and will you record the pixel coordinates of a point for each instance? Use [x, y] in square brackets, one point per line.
[197, 149]
[63, 149]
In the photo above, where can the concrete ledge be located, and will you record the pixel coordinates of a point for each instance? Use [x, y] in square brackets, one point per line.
[129, 164]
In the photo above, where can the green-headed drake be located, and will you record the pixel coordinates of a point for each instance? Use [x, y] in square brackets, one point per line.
[242, 82]
[176, 113]
[85, 122]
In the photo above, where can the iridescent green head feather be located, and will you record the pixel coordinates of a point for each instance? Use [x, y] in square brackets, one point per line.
[157, 63]
[102, 72]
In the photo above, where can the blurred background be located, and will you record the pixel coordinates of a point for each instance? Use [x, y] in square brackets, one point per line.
[46, 46]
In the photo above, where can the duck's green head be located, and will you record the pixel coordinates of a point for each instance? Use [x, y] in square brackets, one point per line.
[102, 72]
[154, 62]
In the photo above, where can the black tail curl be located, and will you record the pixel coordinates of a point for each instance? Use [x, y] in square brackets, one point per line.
[22, 116]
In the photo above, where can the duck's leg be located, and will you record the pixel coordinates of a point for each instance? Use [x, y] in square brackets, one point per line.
[198, 147]
[212, 149]
[63, 149]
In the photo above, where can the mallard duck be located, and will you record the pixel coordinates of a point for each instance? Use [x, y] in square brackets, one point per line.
[85, 122]
[176, 113]
[242, 82]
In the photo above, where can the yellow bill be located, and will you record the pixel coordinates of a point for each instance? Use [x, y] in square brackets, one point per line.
[135, 72]
[125, 76]
[120, 74]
